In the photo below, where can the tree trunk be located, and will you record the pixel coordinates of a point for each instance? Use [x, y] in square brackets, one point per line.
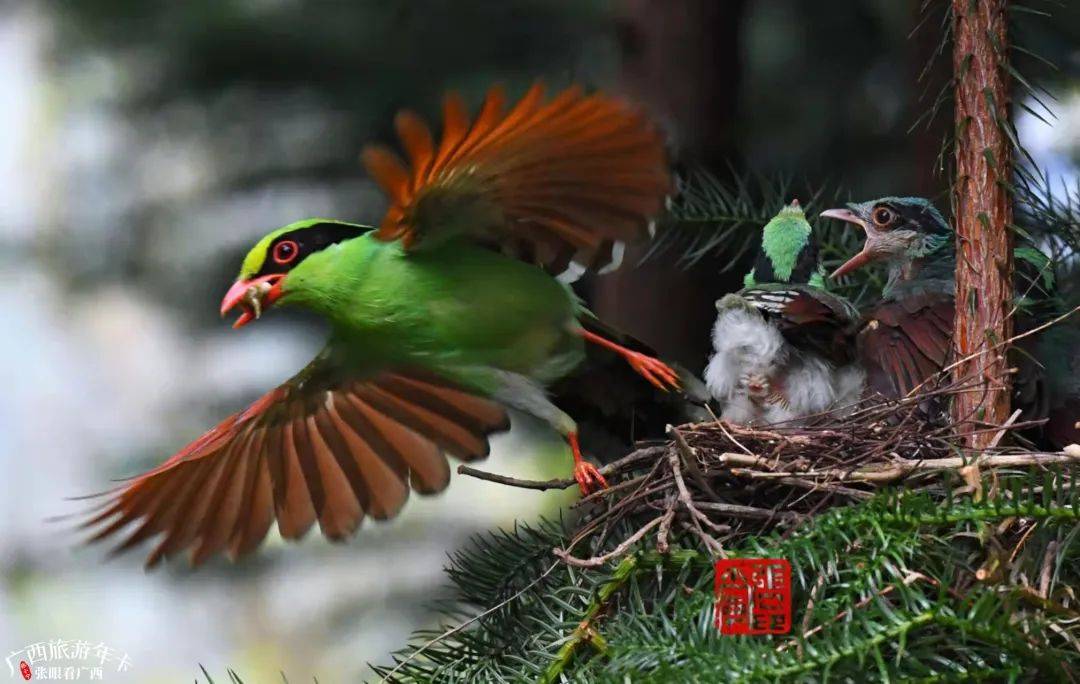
[982, 209]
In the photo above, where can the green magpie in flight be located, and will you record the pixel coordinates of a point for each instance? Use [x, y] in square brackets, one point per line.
[441, 317]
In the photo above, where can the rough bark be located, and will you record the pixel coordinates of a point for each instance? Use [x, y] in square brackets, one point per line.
[982, 208]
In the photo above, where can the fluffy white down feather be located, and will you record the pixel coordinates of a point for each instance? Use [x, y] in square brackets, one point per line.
[747, 347]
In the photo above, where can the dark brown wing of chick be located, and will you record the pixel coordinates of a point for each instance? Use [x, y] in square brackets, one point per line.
[904, 343]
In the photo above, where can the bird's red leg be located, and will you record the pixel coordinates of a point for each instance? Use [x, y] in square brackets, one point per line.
[587, 475]
[652, 369]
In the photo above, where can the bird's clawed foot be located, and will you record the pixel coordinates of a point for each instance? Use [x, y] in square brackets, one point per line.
[661, 375]
[658, 373]
[588, 478]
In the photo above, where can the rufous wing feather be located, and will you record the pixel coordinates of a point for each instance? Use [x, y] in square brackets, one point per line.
[314, 449]
[545, 180]
[904, 344]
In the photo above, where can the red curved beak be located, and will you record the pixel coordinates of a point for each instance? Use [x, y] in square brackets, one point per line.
[254, 296]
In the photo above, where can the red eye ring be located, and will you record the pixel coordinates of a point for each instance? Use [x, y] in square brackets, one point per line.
[285, 252]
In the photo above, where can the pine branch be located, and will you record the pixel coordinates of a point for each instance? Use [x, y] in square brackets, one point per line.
[711, 218]
[586, 632]
[866, 553]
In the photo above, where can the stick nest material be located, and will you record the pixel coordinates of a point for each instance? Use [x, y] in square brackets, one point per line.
[720, 482]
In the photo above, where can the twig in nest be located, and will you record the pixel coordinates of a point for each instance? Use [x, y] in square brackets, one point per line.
[690, 459]
[751, 512]
[1023, 540]
[1009, 423]
[720, 424]
[973, 473]
[513, 481]
[955, 462]
[609, 491]
[665, 527]
[711, 542]
[696, 516]
[561, 483]
[750, 461]
[619, 550]
[825, 487]
[676, 470]
[879, 474]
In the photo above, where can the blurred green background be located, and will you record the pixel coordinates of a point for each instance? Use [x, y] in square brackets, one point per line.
[144, 146]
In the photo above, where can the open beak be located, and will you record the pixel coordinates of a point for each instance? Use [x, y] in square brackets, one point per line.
[854, 263]
[862, 258]
[843, 215]
[254, 296]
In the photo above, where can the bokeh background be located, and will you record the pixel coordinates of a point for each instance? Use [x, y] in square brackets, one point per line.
[144, 146]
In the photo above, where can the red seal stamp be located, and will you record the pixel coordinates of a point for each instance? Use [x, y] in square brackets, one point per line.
[24, 668]
[753, 596]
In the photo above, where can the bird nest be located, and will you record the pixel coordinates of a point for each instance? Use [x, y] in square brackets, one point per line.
[721, 482]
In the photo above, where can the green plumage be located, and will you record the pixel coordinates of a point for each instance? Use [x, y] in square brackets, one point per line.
[456, 309]
[787, 253]
[783, 238]
[436, 327]
[787, 286]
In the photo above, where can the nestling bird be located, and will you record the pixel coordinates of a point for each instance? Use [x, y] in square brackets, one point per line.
[434, 331]
[906, 338]
[907, 335]
[783, 345]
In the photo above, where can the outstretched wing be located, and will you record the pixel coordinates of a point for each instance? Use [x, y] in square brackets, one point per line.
[323, 446]
[904, 343]
[548, 181]
[808, 318]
